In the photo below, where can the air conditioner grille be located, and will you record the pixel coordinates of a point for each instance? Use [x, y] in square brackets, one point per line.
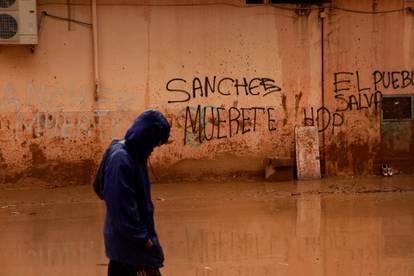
[8, 26]
[7, 3]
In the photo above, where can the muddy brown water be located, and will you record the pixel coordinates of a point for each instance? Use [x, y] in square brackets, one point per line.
[330, 227]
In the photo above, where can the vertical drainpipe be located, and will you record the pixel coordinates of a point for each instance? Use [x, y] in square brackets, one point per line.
[322, 15]
[95, 71]
[95, 51]
[69, 14]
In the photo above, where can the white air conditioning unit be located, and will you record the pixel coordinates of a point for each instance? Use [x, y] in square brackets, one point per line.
[18, 22]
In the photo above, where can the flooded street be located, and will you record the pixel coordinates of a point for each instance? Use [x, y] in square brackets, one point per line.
[335, 226]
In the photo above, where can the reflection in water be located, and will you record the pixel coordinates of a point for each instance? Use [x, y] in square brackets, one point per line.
[299, 235]
[58, 240]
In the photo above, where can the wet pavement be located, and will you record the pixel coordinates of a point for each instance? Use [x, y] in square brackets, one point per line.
[336, 226]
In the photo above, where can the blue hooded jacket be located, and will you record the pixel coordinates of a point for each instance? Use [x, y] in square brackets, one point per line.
[129, 221]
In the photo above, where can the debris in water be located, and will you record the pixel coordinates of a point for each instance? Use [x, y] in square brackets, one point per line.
[8, 206]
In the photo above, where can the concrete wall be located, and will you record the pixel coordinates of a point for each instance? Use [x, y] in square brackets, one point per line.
[364, 50]
[258, 68]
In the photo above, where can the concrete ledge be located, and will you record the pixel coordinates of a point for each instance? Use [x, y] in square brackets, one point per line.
[222, 166]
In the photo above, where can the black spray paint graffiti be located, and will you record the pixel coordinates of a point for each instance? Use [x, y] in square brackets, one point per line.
[363, 98]
[205, 123]
[191, 138]
[223, 122]
[394, 79]
[323, 118]
[224, 86]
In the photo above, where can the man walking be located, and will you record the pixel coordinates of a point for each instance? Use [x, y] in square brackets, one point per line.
[131, 242]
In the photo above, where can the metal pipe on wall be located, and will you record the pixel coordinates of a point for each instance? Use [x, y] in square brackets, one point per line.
[95, 49]
[322, 15]
[69, 14]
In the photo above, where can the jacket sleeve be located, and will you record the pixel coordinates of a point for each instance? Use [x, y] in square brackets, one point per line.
[120, 197]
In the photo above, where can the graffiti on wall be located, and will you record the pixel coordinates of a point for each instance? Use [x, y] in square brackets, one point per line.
[185, 90]
[205, 123]
[201, 123]
[38, 111]
[224, 122]
[351, 94]
[67, 125]
[393, 80]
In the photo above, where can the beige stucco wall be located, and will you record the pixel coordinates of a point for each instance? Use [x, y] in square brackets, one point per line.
[52, 127]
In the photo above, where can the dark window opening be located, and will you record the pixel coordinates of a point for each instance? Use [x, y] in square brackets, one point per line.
[397, 108]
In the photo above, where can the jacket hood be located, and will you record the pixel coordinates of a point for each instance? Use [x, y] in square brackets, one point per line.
[149, 130]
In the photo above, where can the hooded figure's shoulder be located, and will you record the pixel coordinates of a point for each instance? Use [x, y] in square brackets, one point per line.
[118, 155]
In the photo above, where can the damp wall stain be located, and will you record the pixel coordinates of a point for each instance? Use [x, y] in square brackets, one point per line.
[58, 172]
[356, 158]
[3, 164]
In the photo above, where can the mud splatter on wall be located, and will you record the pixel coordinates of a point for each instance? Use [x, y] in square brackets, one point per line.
[234, 82]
